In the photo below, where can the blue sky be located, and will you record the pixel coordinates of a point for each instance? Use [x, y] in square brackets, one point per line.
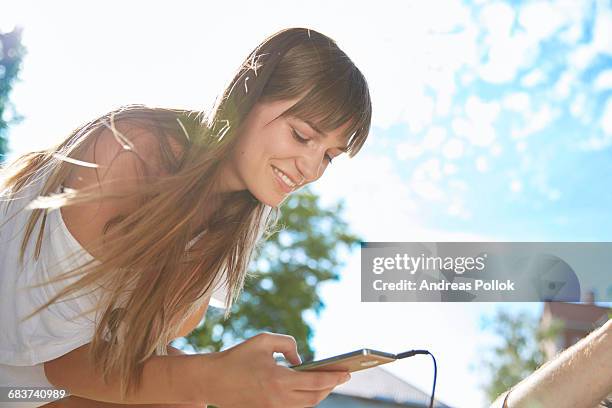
[492, 121]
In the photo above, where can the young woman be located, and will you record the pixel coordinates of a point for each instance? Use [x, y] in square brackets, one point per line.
[113, 243]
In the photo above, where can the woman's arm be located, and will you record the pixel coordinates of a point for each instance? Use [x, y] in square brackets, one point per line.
[172, 379]
[243, 375]
[580, 376]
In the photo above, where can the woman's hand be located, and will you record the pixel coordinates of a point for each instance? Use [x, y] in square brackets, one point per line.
[249, 376]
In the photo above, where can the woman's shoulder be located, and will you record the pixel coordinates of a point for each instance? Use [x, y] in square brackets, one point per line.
[135, 145]
[123, 158]
[128, 149]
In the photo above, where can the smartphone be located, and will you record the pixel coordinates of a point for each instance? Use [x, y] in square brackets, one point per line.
[353, 361]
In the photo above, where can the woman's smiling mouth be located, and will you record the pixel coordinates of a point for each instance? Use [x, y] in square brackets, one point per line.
[284, 180]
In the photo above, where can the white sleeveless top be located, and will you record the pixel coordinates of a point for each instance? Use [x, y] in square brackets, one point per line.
[54, 331]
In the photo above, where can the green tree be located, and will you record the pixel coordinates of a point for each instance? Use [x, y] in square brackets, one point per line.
[519, 352]
[11, 56]
[291, 264]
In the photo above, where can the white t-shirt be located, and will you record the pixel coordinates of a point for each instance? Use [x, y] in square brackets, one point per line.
[53, 332]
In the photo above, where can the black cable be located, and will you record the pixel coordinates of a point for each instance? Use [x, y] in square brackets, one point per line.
[411, 353]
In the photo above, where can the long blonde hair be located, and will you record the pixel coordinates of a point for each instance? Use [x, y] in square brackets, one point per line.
[151, 282]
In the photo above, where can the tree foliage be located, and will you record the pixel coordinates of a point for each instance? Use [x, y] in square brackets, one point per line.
[11, 56]
[286, 273]
[519, 352]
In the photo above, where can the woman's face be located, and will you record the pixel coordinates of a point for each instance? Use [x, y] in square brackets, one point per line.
[271, 161]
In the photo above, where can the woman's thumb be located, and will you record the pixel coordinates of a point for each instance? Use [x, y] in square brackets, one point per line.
[281, 343]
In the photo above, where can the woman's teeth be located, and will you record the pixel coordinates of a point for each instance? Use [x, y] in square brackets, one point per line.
[286, 179]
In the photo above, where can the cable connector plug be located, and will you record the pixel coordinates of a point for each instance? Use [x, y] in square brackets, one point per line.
[410, 353]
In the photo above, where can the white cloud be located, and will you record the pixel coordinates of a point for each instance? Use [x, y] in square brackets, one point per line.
[577, 107]
[425, 178]
[575, 15]
[449, 169]
[602, 32]
[481, 111]
[482, 135]
[442, 81]
[497, 18]
[506, 53]
[449, 51]
[12, 15]
[536, 121]
[391, 98]
[456, 14]
[427, 190]
[505, 57]
[563, 87]
[453, 149]
[477, 128]
[517, 101]
[606, 118]
[596, 142]
[482, 165]
[603, 139]
[409, 150]
[446, 53]
[458, 184]
[496, 150]
[538, 20]
[533, 78]
[418, 52]
[582, 56]
[419, 112]
[603, 82]
[516, 186]
[428, 170]
[431, 141]
[541, 19]
[434, 137]
[376, 201]
[457, 209]
[572, 33]
[467, 77]
[444, 101]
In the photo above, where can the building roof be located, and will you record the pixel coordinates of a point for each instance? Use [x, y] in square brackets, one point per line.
[376, 383]
[577, 315]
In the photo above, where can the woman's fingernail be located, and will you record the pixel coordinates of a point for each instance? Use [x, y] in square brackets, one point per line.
[346, 378]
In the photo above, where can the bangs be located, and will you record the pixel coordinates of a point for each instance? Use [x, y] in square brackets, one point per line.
[331, 104]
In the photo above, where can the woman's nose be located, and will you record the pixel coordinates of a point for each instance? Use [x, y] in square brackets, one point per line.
[311, 166]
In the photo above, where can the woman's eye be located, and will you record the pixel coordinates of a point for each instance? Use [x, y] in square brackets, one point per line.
[297, 137]
[303, 140]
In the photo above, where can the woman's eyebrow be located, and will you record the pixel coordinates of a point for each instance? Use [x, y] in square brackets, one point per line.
[323, 134]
